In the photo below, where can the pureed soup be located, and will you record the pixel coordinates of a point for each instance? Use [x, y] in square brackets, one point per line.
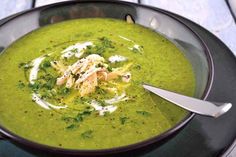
[78, 84]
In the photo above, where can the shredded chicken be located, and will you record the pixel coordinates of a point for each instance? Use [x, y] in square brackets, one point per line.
[89, 85]
[85, 74]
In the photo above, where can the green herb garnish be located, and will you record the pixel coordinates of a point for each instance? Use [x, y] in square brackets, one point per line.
[64, 91]
[144, 113]
[87, 134]
[101, 47]
[35, 87]
[102, 103]
[25, 66]
[74, 50]
[80, 116]
[106, 42]
[109, 69]
[81, 100]
[123, 120]
[99, 65]
[67, 119]
[45, 64]
[137, 67]
[50, 84]
[99, 90]
[71, 127]
[21, 84]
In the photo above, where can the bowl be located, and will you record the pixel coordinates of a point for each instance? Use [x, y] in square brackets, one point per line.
[156, 19]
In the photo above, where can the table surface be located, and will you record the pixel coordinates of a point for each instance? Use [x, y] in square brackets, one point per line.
[214, 15]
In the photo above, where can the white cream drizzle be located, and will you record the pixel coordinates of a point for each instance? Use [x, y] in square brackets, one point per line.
[102, 110]
[136, 46]
[117, 58]
[45, 104]
[122, 37]
[34, 71]
[110, 108]
[79, 47]
[117, 99]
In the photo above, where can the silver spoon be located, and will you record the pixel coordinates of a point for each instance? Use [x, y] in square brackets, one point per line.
[198, 106]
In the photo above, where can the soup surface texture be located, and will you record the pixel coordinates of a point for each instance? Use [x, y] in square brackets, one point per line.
[78, 84]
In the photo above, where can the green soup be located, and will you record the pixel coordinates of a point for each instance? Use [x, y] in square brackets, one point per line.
[77, 84]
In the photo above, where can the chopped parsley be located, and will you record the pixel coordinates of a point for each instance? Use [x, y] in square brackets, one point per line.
[137, 67]
[101, 47]
[35, 87]
[25, 66]
[71, 127]
[109, 69]
[106, 42]
[87, 134]
[20, 84]
[99, 90]
[123, 120]
[46, 64]
[64, 91]
[50, 84]
[44, 82]
[67, 119]
[144, 113]
[74, 50]
[80, 116]
[81, 100]
[102, 103]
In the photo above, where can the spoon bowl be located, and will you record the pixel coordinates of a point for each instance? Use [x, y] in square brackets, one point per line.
[202, 107]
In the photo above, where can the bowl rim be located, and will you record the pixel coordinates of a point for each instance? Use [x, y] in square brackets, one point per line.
[7, 134]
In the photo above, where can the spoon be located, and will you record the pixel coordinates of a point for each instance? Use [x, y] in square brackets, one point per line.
[212, 109]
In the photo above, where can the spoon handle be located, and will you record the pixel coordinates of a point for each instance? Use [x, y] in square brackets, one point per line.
[198, 106]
